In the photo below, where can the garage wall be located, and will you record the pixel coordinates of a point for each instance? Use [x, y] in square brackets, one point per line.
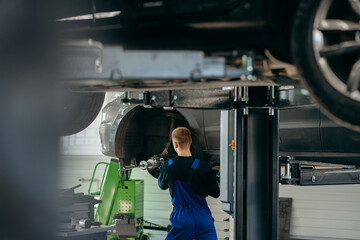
[324, 212]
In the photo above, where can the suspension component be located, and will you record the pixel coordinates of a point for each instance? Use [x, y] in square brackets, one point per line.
[151, 164]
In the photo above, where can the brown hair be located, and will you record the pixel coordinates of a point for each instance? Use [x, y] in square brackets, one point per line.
[181, 135]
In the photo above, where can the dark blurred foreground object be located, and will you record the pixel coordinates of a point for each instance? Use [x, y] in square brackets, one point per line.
[28, 139]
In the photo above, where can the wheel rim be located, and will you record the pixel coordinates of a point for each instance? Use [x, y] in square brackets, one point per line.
[336, 45]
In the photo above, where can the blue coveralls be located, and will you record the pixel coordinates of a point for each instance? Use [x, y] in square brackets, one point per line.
[191, 217]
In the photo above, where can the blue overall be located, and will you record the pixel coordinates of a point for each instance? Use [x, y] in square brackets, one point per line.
[191, 217]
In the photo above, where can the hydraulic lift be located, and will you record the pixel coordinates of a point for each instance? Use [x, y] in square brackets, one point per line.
[305, 171]
[249, 166]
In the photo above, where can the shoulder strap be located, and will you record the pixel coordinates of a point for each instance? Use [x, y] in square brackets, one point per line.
[195, 163]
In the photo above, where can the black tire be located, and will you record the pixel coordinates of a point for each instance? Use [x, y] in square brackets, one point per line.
[335, 104]
[78, 111]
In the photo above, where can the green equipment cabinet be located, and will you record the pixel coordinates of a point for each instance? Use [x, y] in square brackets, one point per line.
[122, 202]
[130, 199]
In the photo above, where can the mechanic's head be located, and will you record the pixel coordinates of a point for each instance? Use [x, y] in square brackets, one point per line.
[181, 139]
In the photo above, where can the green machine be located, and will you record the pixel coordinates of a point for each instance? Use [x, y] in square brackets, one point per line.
[122, 201]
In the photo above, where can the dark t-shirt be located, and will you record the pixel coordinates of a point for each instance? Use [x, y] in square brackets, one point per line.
[202, 180]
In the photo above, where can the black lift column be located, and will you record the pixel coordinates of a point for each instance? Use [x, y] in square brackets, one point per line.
[255, 166]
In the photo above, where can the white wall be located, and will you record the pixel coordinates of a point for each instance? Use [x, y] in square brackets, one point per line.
[330, 212]
[76, 167]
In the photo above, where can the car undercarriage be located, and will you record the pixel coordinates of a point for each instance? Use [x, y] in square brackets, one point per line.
[232, 43]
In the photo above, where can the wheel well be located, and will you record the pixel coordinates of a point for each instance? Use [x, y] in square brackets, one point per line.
[144, 132]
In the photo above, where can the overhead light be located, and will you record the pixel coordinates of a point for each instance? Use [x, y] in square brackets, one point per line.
[99, 15]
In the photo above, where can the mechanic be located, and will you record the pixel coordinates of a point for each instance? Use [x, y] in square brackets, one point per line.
[190, 181]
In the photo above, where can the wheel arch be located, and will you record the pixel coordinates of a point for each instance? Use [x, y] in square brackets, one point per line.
[140, 133]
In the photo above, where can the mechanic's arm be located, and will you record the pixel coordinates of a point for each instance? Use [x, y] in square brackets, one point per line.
[154, 172]
[163, 176]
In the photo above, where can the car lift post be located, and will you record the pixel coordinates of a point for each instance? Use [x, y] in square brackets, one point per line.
[253, 138]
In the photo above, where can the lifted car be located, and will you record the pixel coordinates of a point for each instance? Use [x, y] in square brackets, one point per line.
[317, 41]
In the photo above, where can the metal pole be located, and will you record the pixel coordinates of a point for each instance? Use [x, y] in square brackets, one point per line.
[275, 175]
[257, 171]
[240, 164]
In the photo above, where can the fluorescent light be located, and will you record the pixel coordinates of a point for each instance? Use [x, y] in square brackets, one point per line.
[99, 15]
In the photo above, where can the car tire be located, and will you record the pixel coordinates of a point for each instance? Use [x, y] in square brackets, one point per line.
[78, 111]
[335, 102]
